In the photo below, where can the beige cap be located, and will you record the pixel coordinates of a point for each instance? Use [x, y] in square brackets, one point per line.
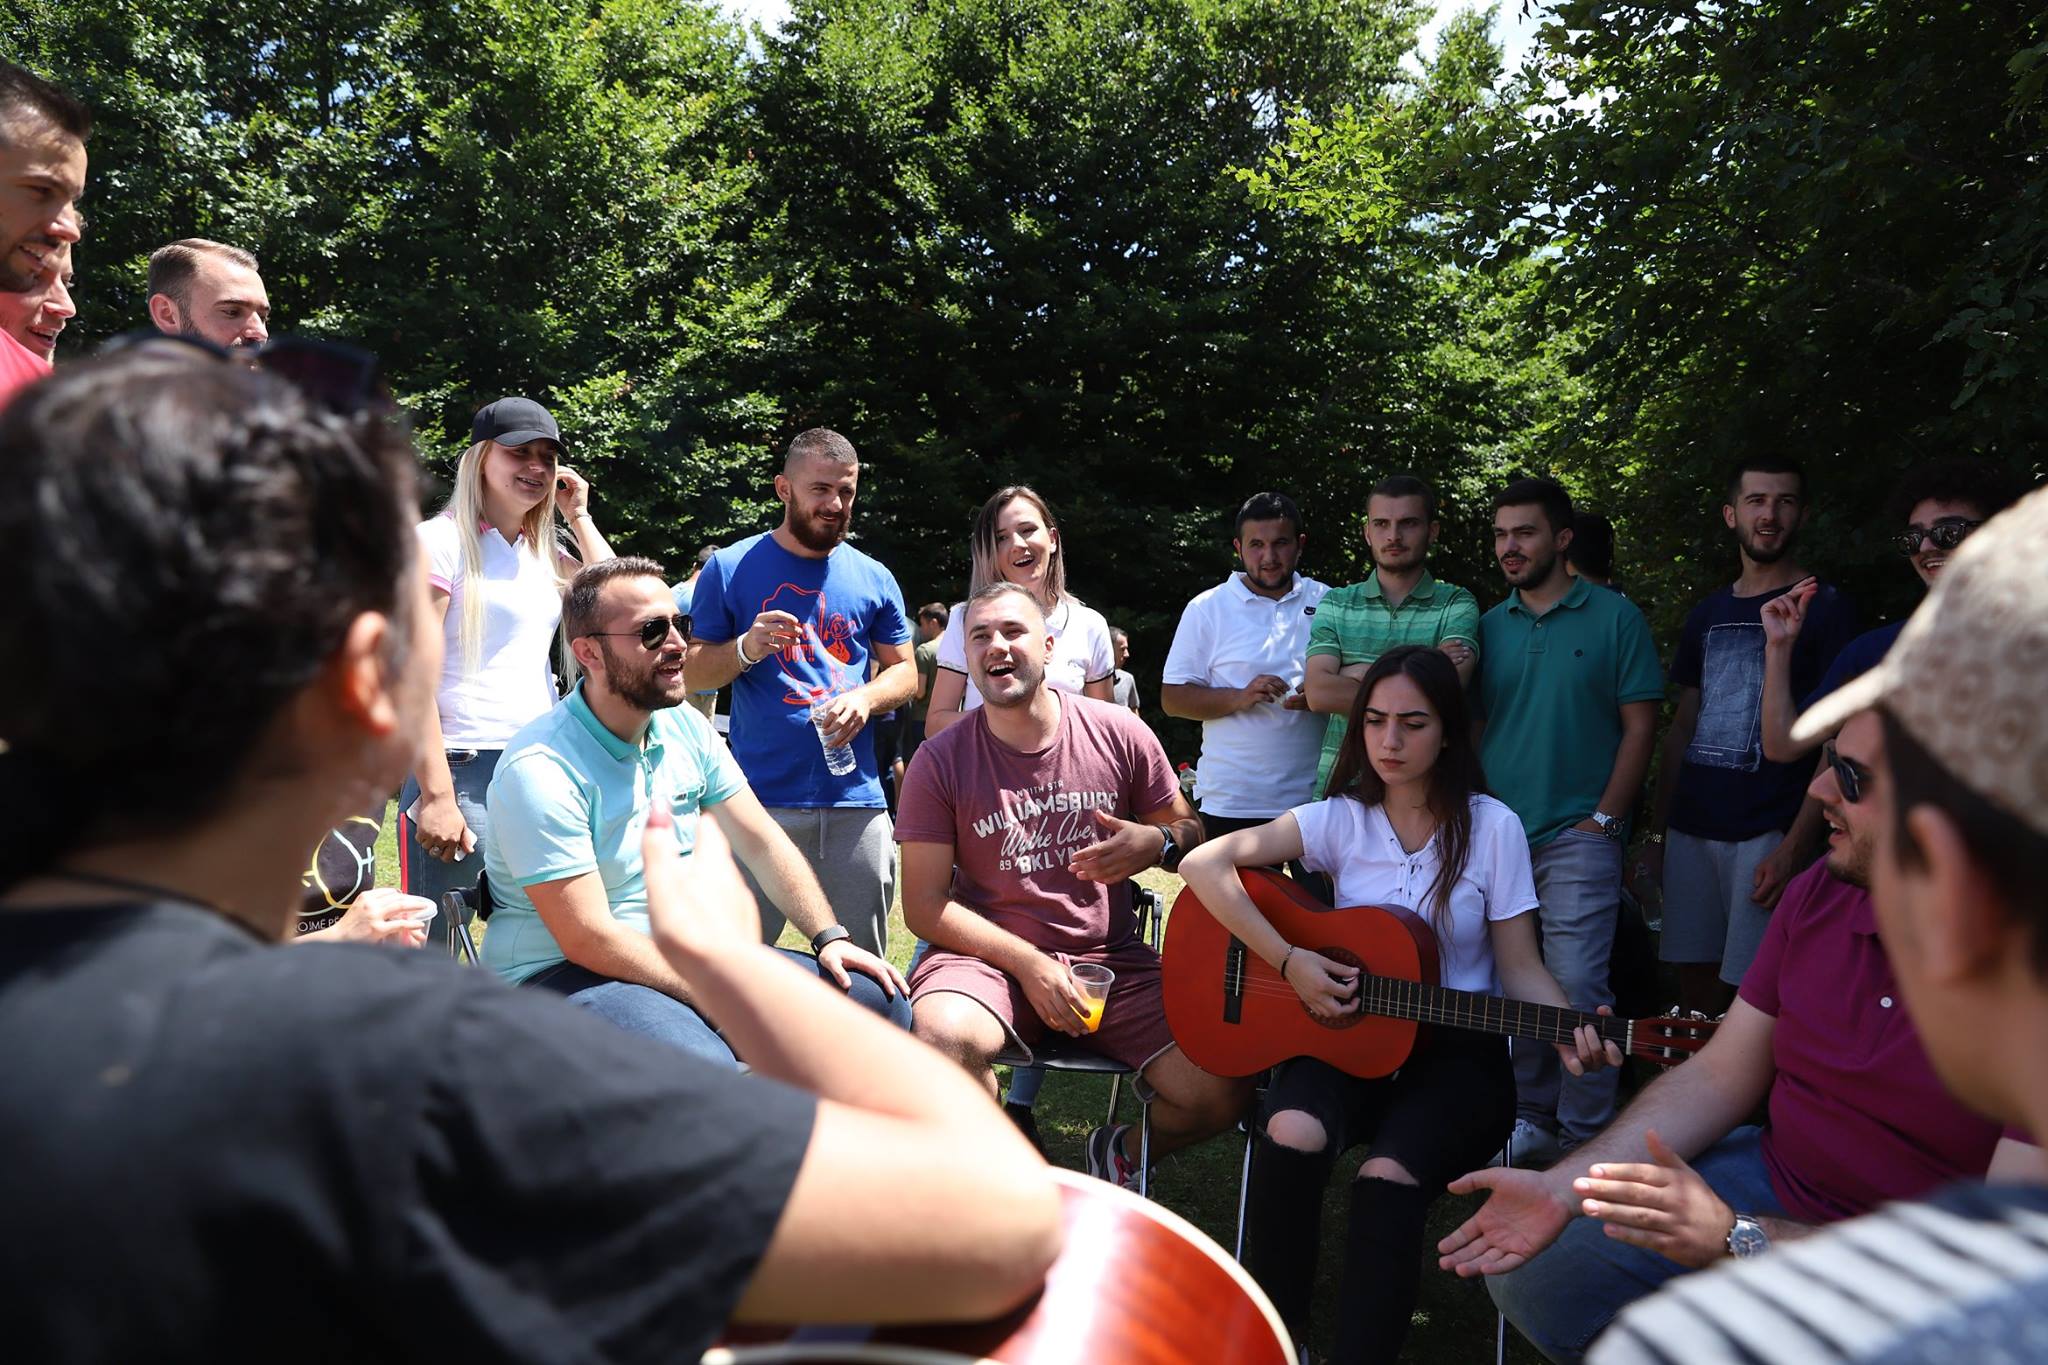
[1968, 677]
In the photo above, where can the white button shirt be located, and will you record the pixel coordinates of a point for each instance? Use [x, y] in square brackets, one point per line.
[1261, 761]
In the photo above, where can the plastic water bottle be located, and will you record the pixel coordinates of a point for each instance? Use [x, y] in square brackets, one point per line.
[838, 757]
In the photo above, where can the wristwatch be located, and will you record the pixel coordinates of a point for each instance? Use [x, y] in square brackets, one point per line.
[1609, 826]
[827, 936]
[1169, 852]
[1747, 1238]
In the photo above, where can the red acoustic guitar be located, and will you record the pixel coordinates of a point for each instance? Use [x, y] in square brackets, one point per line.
[1233, 1015]
[1134, 1285]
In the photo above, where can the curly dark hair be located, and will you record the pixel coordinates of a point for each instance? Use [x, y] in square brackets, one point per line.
[187, 545]
[1986, 486]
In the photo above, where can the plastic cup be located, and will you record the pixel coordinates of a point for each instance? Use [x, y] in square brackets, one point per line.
[1093, 981]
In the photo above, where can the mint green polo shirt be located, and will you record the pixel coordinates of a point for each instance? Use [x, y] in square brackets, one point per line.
[571, 797]
[1552, 687]
[1357, 624]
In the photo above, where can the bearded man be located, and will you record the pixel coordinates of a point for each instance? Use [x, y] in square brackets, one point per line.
[574, 792]
[796, 620]
[1739, 826]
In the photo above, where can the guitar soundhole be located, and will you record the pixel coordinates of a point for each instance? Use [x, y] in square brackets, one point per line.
[1348, 959]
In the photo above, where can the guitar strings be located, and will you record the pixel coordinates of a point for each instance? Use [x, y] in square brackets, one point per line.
[1488, 1013]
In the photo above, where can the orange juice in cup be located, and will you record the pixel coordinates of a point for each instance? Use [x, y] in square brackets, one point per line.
[1092, 980]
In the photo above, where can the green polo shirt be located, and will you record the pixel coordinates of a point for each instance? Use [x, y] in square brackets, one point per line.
[1357, 624]
[571, 797]
[1552, 687]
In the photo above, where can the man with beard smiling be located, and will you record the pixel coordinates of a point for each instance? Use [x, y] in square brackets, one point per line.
[794, 619]
[1236, 666]
[42, 173]
[569, 804]
[1739, 826]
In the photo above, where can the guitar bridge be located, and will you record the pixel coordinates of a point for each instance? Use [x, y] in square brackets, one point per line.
[1233, 982]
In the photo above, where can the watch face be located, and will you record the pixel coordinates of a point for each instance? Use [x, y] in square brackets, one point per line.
[1747, 1238]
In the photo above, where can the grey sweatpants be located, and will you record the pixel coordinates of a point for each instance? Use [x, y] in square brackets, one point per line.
[852, 849]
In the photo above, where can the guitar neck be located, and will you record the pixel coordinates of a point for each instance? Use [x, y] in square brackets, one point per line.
[1398, 999]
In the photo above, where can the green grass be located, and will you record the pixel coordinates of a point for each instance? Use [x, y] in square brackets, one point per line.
[1454, 1319]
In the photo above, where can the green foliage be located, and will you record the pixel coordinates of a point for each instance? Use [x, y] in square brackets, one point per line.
[498, 196]
[1817, 229]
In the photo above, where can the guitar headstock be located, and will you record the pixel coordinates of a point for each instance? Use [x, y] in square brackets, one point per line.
[1669, 1038]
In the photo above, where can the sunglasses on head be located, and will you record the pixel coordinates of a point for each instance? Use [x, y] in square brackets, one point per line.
[337, 377]
[1947, 533]
[653, 632]
[1849, 774]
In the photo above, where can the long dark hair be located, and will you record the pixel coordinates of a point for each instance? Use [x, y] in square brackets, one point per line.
[1454, 780]
[187, 544]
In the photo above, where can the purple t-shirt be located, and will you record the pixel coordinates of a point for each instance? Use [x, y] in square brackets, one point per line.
[1858, 1116]
[1015, 820]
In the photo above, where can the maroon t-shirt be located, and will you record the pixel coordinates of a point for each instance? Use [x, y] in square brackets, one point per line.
[1858, 1116]
[1015, 819]
[19, 368]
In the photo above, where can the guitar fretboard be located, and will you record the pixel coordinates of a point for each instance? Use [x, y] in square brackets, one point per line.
[1398, 999]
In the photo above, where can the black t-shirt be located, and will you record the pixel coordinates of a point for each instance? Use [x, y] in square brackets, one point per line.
[214, 1148]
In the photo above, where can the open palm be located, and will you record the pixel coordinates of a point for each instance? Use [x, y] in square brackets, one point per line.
[1521, 1216]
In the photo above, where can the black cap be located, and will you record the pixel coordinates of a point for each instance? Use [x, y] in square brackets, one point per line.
[514, 422]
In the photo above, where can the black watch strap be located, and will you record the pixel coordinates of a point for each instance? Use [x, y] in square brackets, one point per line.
[827, 936]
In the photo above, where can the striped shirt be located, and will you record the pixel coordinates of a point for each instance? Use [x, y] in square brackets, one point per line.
[1961, 1277]
[1356, 625]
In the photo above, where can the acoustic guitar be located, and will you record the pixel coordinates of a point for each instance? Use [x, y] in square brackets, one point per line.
[1233, 1015]
[1134, 1285]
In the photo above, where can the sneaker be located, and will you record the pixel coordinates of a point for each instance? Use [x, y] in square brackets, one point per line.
[1020, 1114]
[1532, 1146]
[1104, 1155]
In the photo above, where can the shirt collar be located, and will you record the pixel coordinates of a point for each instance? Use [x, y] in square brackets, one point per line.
[1424, 590]
[1244, 592]
[611, 743]
[1574, 596]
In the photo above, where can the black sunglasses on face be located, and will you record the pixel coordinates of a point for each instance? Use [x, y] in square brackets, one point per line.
[653, 633]
[1849, 774]
[1947, 533]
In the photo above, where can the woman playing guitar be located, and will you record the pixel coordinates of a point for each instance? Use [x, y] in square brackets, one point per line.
[1406, 821]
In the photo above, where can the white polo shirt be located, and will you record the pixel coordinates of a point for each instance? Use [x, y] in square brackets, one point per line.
[513, 681]
[1262, 761]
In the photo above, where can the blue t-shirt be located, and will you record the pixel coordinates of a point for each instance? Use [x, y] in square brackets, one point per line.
[571, 797]
[847, 604]
[1858, 657]
[1727, 790]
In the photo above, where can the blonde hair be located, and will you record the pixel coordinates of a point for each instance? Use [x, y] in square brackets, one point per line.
[544, 535]
[984, 571]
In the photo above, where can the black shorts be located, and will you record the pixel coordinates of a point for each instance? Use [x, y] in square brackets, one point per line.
[1445, 1113]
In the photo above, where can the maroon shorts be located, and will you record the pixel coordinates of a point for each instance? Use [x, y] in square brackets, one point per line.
[1133, 1027]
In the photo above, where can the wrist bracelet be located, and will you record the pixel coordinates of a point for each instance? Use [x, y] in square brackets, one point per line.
[828, 936]
[1282, 968]
[739, 651]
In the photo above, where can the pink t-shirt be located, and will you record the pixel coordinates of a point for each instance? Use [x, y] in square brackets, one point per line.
[1015, 819]
[1858, 1116]
[19, 367]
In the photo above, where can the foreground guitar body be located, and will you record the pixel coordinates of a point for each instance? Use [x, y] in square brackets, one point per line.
[1233, 1015]
[1135, 1285]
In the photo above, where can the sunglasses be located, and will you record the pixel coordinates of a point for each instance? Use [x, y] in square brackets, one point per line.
[1946, 534]
[339, 378]
[653, 633]
[1849, 774]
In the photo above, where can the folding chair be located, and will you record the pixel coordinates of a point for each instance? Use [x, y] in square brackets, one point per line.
[1060, 1053]
[462, 908]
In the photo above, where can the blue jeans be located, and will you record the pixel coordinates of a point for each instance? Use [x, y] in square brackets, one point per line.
[1578, 880]
[420, 873]
[1567, 1295]
[651, 1014]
